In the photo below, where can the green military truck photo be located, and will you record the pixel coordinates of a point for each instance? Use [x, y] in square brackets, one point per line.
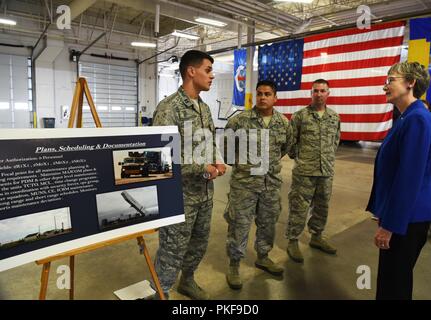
[144, 163]
[135, 164]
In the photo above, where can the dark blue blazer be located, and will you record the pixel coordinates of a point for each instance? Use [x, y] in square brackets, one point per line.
[401, 192]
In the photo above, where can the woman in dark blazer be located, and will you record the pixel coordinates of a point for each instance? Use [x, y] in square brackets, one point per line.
[401, 193]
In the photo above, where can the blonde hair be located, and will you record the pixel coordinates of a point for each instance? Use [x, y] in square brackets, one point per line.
[413, 71]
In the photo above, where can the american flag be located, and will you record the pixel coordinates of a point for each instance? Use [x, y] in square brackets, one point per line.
[354, 61]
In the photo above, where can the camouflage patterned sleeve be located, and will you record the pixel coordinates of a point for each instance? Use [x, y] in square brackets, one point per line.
[338, 135]
[231, 124]
[164, 115]
[295, 125]
[193, 170]
[217, 154]
[289, 140]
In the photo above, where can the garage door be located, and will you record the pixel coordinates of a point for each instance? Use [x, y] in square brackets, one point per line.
[115, 93]
[15, 91]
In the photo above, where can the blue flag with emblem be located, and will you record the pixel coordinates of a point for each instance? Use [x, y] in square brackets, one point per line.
[239, 72]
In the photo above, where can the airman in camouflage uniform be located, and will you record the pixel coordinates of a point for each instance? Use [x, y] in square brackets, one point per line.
[256, 196]
[182, 246]
[316, 134]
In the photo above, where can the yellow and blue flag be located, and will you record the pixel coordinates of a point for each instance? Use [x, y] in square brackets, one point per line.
[419, 44]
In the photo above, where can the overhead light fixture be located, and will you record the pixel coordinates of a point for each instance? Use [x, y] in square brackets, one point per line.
[300, 1]
[182, 34]
[211, 22]
[7, 21]
[143, 44]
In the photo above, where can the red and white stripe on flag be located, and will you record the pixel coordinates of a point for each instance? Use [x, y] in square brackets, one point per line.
[355, 62]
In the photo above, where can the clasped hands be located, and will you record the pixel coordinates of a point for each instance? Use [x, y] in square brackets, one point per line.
[215, 170]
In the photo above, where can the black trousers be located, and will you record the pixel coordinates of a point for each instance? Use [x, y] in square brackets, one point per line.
[395, 274]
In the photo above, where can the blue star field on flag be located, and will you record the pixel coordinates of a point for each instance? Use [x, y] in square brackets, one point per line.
[282, 64]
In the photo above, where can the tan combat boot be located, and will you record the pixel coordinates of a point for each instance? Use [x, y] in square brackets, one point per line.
[269, 266]
[232, 277]
[190, 288]
[318, 242]
[294, 252]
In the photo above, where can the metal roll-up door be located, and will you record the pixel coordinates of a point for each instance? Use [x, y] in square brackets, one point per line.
[114, 90]
[15, 91]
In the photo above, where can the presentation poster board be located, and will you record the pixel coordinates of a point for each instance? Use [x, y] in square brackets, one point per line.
[62, 189]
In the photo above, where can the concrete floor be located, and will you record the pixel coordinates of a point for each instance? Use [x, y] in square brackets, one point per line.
[101, 272]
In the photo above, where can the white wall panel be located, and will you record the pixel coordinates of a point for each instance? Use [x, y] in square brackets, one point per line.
[15, 101]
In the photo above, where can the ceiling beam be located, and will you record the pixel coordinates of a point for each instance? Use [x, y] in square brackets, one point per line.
[77, 7]
[176, 11]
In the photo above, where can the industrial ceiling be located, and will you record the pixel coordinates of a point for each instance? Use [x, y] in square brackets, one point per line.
[136, 20]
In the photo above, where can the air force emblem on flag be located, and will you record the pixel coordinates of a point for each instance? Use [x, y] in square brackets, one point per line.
[240, 78]
[240, 57]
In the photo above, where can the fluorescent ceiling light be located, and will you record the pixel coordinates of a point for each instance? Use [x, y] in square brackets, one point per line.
[185, 35]
[300, 1]
[7, 21]
[211, 22]
[143, 44]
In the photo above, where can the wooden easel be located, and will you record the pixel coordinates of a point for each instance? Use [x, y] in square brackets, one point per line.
[80, 89]
[78, 99]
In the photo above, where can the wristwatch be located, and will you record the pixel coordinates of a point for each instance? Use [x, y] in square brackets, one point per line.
[207, 175]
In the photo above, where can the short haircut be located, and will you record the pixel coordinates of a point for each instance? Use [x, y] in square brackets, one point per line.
[413, 71]
[268, 83]
[321, 81]
[193, 58]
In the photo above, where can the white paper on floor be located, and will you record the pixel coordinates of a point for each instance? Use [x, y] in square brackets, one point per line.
[138, 290]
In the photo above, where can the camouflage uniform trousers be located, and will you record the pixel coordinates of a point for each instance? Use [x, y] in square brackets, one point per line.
[182, 246]
[306, 192]
[243, 206]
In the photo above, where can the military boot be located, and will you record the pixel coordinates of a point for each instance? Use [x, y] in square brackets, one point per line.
[293, 251]
[318, 242]
[190, 288]
[266, 264]
[232, 277]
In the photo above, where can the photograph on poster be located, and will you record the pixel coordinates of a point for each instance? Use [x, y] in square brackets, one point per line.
[120, 208]
[34, 227]
[137, 165]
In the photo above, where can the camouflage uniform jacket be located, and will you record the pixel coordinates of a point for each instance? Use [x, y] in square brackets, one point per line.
[176, 110]
[280, 139]
[315, 141]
